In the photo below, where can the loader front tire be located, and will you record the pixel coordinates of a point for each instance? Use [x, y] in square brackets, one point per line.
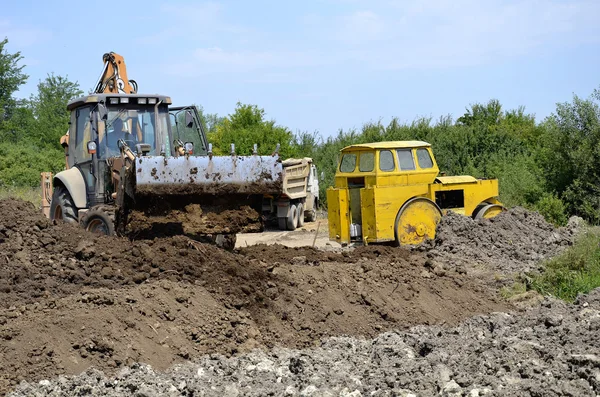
[62, 207]
[99, 222]
[292, 219]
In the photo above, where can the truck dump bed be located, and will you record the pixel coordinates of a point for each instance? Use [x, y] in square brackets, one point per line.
[295, 175]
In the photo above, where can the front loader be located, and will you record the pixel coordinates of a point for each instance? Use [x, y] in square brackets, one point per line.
[137, 167]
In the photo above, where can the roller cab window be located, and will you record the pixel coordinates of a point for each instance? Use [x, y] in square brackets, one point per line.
[406, 160]
[348, 163]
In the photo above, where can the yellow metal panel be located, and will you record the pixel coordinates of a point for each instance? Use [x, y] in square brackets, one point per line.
[446, 180]
[369, 215]
[337, 215]
[388, 145]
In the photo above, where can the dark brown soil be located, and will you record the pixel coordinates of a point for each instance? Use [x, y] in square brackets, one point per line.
[70, 300]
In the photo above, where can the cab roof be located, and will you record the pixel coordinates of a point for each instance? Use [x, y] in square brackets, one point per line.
[389, 145]
[95, 98]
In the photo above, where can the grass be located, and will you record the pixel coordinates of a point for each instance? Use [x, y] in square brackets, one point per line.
[32, 194]
[575, 271]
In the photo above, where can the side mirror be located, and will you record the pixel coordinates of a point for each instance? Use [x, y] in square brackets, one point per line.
[189, 119]
[102, 112]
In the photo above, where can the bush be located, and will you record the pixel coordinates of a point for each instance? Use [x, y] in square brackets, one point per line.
[22, 164]
[575, 271]
[553, 209]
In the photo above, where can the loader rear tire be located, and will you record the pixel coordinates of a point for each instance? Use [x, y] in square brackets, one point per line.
[99, 222]
[292, 219]
[300, 215]
[62, 207]
[417, 221]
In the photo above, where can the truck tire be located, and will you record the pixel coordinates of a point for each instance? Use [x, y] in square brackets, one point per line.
[98, 221]
[311, 215]
[62, 207]
[300, 215]
[282, 223]
[292, 219]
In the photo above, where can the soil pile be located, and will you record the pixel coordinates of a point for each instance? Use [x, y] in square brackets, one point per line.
[70, 300]
[551, 350]
[514, 241]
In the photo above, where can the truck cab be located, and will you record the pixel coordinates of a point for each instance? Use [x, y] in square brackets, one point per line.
[392, 191]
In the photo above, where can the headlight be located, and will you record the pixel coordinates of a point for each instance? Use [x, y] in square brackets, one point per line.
[124, 100]
[189, 147]
[114, 101]
[91, 147]
[142, 101]
[152, 101]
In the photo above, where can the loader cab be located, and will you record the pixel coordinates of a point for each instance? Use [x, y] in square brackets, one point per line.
[99, 122]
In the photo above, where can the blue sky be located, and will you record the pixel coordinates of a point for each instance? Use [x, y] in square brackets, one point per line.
[322, 65]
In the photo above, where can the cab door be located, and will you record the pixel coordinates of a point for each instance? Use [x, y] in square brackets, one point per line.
[186, 126]
[80, 134]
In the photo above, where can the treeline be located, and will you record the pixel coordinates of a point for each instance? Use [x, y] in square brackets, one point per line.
[549, 165]
[30, 129]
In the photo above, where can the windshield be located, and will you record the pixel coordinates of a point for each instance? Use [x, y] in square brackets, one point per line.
[134, 125]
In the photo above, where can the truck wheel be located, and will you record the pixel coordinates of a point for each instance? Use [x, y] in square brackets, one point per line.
[300, 215]
[282, 223]
[292, 219]
[311, 216]
[98, 221]
[62, 207]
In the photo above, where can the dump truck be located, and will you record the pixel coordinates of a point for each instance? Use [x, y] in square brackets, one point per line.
[137, 166]
[393, 192]
[299, 197]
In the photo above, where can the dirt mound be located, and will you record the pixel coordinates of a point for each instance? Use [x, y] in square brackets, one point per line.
[277, 253]
[70, 300]
[551, 350]
[513, 241]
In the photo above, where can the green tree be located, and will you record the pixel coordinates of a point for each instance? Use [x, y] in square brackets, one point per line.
[11, 78]
[247, 126]
[570, 155]
[49, 107]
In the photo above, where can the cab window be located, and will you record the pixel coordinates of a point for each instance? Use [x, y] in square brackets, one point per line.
[348, 163]
[82, 134]
[367, 162]
[386, 160]
[405, 158]
[424, 158]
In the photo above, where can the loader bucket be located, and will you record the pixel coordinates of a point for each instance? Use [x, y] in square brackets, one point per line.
[209, 175]
[201, 195]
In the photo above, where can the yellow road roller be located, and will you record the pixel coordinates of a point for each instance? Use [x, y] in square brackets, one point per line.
[393, 191]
